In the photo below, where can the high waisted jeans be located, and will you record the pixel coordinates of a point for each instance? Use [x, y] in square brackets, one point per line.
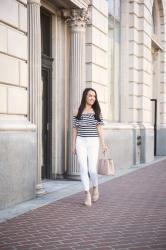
[87, 149]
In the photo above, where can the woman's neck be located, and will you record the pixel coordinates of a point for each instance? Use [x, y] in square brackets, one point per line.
[88, 108]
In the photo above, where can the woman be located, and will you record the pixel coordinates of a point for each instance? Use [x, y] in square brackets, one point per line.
[87, 134]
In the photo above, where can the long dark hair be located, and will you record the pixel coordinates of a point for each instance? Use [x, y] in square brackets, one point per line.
[95, 106]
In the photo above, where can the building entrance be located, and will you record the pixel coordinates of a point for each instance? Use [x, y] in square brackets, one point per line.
[46, 38]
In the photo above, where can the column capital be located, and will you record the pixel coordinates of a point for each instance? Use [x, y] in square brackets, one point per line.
[34, 2]
[76, 18]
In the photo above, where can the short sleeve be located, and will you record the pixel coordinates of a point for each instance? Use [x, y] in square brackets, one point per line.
[101, 122]
[74, 121]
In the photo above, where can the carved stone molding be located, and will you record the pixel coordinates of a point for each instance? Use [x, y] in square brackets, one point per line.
[76, 18]
[154, 51]
[34, 2]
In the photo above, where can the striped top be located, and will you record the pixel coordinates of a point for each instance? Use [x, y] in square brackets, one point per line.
[87, 125]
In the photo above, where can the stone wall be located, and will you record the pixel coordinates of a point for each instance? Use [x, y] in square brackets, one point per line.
[17, 134]
[13, 58]
[96, 51]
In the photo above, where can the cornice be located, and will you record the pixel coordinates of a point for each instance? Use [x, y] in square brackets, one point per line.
[34, 2]
[81, 3]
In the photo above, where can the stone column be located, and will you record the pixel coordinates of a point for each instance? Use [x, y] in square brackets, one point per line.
[35, 84]
[77, 19]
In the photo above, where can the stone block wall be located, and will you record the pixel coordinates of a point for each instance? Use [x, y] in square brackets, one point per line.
[17, 134]
[96, 51]
[13, 58]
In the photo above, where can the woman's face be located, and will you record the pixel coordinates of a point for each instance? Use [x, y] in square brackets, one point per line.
[91, 97]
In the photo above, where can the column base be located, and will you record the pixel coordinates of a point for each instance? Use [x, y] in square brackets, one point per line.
[59, 177]
[73, 177]
[40, 190]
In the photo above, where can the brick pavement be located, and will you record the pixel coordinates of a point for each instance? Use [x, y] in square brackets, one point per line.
[131, 214]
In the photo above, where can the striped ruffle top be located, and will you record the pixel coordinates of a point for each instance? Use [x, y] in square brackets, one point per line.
[87, 125]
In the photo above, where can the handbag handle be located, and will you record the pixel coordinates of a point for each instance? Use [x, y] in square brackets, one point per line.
[105, 154]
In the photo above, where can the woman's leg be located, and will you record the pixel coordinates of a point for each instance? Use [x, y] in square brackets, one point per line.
[93, 151]
[81, 150]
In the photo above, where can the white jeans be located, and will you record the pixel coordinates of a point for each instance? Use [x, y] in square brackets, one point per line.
[87, 149]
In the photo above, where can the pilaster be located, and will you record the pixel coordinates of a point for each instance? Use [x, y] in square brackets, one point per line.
[124, 61]
[76, 19]
[35, 111]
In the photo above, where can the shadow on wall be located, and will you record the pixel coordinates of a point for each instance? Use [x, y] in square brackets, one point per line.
[17, 167]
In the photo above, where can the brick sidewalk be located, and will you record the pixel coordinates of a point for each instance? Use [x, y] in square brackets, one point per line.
[131, 214]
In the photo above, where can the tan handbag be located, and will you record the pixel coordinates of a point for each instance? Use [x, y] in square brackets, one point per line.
[106, 166]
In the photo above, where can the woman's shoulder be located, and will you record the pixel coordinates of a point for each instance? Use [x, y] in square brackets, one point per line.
[75, 113]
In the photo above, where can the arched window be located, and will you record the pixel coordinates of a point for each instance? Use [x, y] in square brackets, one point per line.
[156, 19]
[156, 27]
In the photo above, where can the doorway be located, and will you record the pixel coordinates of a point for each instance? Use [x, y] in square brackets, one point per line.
[155, 93]
[46, 47]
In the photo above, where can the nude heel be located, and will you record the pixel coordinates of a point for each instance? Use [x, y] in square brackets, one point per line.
[95, 194]
[88, 201]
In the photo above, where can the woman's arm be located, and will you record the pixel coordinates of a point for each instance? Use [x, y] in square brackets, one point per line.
[74, 135]
[101, 137]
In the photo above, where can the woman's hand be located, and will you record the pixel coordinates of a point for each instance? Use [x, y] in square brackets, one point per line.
[74, 141]
[74, 149]
[104, 147]
[101, 136]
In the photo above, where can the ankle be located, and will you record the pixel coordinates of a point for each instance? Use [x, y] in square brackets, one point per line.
[95, 194]
[87, 201]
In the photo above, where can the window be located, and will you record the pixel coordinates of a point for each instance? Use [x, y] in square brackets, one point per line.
[156, 30]
[113, 58]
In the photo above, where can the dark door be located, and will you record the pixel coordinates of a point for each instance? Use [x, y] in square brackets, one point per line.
[46, 38]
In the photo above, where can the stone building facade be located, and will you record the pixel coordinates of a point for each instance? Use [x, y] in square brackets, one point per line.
[50, 50]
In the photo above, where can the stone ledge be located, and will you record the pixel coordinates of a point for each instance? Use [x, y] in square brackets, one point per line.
[16, 124]
[116, 125]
